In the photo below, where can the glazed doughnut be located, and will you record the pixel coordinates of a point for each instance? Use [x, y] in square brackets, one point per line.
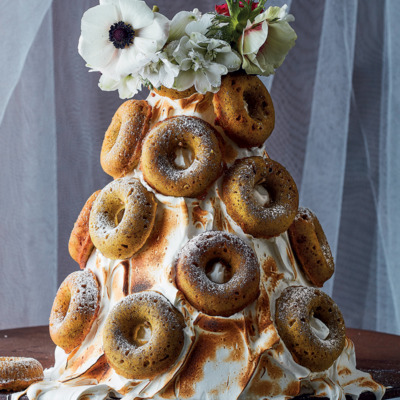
[198, 257]
[122, 143]
[122, 218]
[17, 373]
[125, 346]
[74, 309]
[311, 247]
[293, 312]
[174, 94]
[244, 110]
[161, 171]
[239, 189]
[80, 244]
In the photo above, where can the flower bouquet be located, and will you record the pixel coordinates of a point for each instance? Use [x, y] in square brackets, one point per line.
[133, 46]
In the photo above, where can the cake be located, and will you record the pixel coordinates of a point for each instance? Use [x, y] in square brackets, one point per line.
[199, 275]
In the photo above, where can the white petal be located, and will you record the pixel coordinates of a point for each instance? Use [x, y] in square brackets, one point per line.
[97, 35]
[179, 23]
[255, 38]
[144, 45]
[280, 40]
[97, 55]
[180, 53]
[214, 73]
[125, 92]
[157, 31]
[136, 13]
[126, 61]
[107, 84]
[102, 16]
[201, 26]
[231, 60]
[167, 76]
[185, 80]
[276, 13]
[201, 83]
[134, 83]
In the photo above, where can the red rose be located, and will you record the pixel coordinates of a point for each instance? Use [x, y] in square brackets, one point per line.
[223, 8]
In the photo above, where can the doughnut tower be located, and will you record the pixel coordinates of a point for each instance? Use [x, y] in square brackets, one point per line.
[199, 274]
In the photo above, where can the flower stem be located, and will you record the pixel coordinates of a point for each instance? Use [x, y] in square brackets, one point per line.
[230, 6]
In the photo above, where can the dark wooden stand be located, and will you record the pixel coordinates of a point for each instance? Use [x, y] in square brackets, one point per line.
[377, 353]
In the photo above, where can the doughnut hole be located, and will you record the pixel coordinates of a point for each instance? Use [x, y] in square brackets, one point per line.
[218, 271]
[119, 216]
[257, 105]
[261, 194]
[184, 156]
[142, 333]
[318, 327]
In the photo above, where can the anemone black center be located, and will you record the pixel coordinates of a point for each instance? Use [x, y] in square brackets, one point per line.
[121, 35]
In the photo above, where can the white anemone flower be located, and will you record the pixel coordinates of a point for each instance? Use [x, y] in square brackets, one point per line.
[202, 60]
[265, 42]
[118, 36]
[127, 86]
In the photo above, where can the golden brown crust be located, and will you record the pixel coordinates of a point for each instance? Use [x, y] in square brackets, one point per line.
[17, 373]
[174, 94]
[294, 308]
[222, 299]
[80, 244]
[260, 220]
[122, 218]
[122, 143]
[244, 109]
[74, 309]
[158, 157]
[136, 358]
[311, 247]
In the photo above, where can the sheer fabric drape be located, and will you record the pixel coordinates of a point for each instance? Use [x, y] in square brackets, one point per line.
[337, 107]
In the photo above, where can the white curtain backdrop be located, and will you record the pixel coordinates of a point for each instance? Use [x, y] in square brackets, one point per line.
[337, 102]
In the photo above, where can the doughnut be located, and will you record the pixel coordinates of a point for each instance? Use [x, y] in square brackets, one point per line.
[158, 164]
[244, 110]
[143, 335]
[80, 244]
[122, 143]
[294, 311]
[17, 373]
[242, 277]
[174, 94]
[262, 218]
[311, 247]
[74, 309]
[122, 218]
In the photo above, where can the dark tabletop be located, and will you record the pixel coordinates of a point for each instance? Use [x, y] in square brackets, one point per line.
[377, 353]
